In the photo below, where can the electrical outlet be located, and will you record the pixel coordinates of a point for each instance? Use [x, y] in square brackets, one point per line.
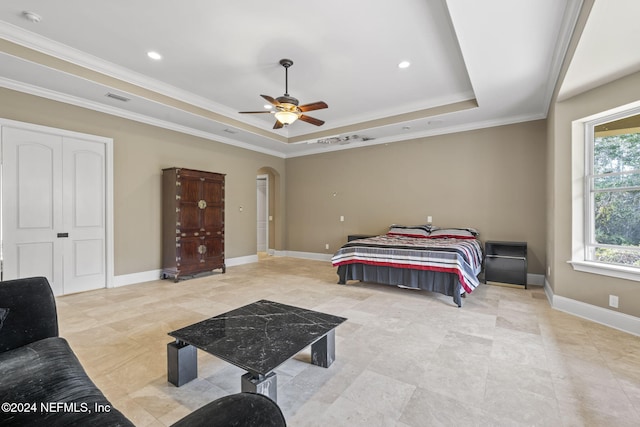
[613, 301]
[326, 246]
[429, 219]
[341, 218]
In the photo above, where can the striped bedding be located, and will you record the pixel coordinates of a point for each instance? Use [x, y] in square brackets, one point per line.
[462, 257]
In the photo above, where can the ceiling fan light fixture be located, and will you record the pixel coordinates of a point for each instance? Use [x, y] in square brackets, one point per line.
[286, 117]
[286, 106]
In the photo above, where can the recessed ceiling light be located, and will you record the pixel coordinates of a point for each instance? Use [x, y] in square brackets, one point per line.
[32, 17]
[404, 64]
[267, 106]
[154, 55]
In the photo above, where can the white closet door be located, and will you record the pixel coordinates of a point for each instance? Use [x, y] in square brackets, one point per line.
[84, 210]
[32, 206]
[54, 204]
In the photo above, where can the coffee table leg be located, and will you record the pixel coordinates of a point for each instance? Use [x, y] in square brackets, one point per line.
[323, 351]
[261, 384]
[182, 363]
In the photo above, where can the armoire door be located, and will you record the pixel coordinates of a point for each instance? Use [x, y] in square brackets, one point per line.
[213, 221]
[53, 209]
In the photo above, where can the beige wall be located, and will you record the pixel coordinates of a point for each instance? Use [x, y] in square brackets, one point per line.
[491, 179]
[140, 153]
[589, 288]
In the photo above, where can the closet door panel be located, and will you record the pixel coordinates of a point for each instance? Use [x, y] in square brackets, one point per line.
[84, 182]
[32, 206]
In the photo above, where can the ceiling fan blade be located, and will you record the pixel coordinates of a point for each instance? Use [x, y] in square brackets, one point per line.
[313, 106]
[254, 112]
[278, 125]
[311, 120]
[270, 100]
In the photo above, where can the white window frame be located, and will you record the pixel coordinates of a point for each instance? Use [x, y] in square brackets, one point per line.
[582, 164]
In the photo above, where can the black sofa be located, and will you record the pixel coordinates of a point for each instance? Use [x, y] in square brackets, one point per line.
[43, 383]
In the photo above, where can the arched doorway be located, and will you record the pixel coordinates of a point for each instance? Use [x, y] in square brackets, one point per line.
[268, 200]
[262, 230]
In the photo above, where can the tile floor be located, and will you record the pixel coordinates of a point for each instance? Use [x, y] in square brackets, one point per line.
[404, 358]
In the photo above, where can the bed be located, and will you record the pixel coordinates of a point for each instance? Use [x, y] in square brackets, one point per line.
[446, 261]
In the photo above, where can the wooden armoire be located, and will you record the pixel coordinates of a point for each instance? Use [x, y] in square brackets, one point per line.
[192, 222]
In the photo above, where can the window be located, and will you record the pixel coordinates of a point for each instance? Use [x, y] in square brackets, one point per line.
[612, 190]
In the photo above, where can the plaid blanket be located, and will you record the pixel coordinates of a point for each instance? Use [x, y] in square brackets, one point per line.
[459, 256]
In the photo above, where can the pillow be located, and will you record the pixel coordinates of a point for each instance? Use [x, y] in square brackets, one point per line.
[4, 312]
[454, 233]
[410, 230]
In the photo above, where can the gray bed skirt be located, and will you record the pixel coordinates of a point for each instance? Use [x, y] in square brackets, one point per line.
[434, 281]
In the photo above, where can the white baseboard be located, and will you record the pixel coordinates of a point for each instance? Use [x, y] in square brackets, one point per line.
[305, 255]
[613, 319]
[232, 262]
[148, 276]
[535, 279]
[133, 278]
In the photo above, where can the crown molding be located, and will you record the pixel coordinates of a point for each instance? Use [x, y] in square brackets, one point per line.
[82, 59]
[572, 14]
[504, 121]
[141, 118]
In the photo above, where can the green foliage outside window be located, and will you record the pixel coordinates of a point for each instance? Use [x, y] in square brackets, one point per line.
[616, 197]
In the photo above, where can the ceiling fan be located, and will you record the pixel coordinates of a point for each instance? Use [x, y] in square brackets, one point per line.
[287, 109]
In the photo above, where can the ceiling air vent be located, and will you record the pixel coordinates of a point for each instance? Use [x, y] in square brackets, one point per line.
[341, 139]
[117, 97]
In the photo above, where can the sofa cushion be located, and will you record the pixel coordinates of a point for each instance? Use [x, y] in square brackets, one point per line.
[32, 312]
[47, 372]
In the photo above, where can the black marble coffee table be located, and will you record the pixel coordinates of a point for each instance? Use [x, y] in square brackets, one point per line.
[258, 337]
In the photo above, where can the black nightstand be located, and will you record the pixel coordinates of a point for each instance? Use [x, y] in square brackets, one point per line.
[506, 262]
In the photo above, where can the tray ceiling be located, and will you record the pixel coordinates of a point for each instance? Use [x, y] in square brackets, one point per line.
[473, 64]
